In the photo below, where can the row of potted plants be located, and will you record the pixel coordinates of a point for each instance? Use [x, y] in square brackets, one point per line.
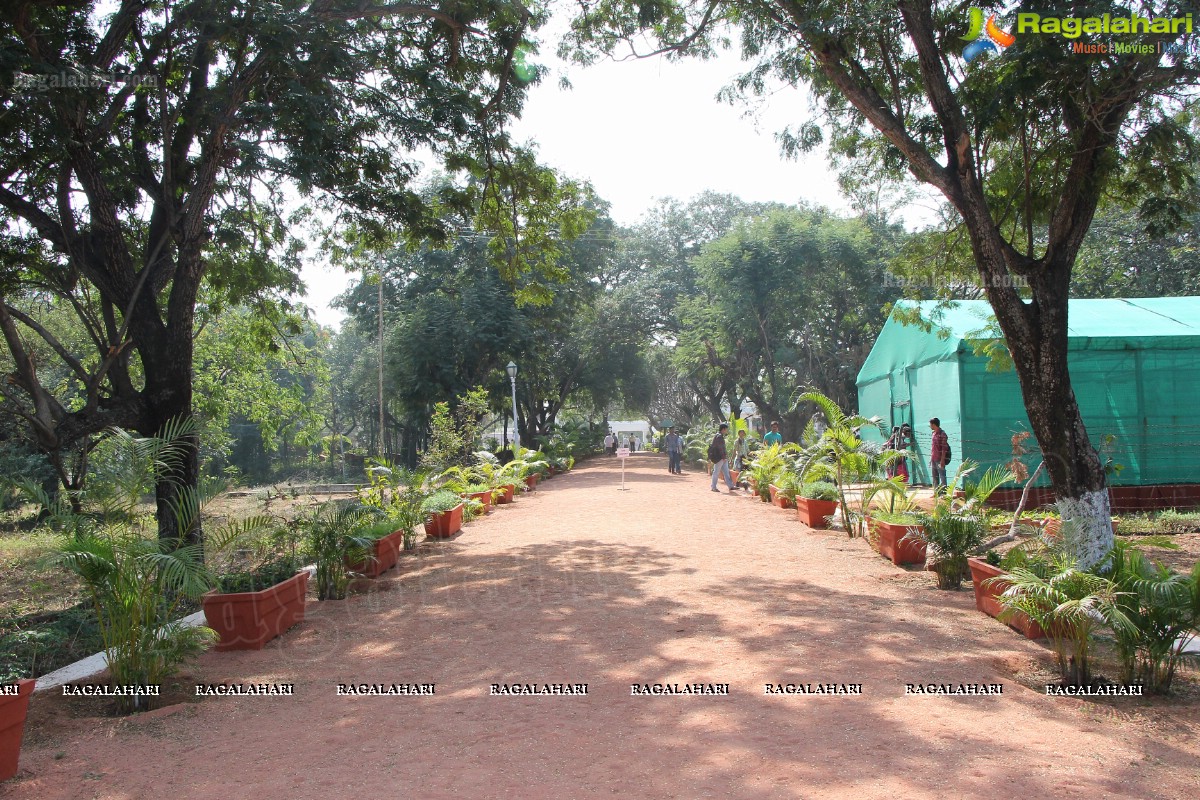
[1150, 613]
[362, 539]
[137, 581]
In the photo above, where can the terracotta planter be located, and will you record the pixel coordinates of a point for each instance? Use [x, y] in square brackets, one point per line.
[532, 480]
[893, 545]
[813, 513]
[778, 498]
[386, 551]
[248, 620]
[509, 491]
[733, 473]
[987, 598]
[445, 524]
[483, 497]
[13, 709]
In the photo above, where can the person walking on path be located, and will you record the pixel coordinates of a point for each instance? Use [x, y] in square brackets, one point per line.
[610, 443]
[719, 459]
[939, 455]
[674, 447]
[773, 436]
[741, 450]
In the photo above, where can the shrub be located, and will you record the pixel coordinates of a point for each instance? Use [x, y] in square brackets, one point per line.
[264, 576]
[952, 536]
[440, 502]
[818, 490]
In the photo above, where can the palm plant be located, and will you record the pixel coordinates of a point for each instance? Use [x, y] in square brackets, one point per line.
[768, 465]
[840, 453]
[1163, 610]
[1070, 605]
[958, 525]
[336, 538]
[696, 441]
[136, 581]
[526, 463]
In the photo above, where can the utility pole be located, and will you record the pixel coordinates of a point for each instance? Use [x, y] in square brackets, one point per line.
[382, 447]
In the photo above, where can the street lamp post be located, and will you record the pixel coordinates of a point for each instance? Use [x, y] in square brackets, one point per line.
[512, 377]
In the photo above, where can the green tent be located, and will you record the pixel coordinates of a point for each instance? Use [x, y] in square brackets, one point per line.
[1135, 366]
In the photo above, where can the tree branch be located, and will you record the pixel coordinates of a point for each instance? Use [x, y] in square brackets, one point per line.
[50, 339]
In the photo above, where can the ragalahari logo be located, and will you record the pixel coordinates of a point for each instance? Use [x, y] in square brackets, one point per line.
[984, 37]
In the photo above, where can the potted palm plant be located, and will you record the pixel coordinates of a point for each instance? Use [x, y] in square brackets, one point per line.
[1162, 611]
[335, 539]
[137, 582]
[989, 582]
[840, 453]
[769, 465]
[502, 479]
[1069, 605]
[14, 706]
[958, 524]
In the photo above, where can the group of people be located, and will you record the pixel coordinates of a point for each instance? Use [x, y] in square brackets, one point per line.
[901, 438]
[939, 452]
[612, 442]
[718, 455]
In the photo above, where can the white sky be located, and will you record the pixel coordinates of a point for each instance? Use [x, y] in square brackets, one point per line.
[645, 129]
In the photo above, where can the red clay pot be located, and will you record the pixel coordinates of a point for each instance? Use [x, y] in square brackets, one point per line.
[445, 524]
[386, 551]
[509, 490]
[483, 497]
[733, 473]
[813, 513]
[532, 480]
[777, 498]
[248, 620]
[987, 598]
[893, 545]
[13, 709]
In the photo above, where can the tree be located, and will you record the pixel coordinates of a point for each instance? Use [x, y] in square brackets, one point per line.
[1023, 146]
[773, 312]
[655, 259]
[452, 322]
[145, 148]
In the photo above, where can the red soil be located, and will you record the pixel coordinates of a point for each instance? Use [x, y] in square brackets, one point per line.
[666, 582]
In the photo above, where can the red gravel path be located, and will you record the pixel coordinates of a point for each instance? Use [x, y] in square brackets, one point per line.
[666, 582]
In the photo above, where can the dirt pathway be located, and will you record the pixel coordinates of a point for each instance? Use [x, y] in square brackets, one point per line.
[664, 583]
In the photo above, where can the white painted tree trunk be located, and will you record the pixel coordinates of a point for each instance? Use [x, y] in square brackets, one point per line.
[1087, 527]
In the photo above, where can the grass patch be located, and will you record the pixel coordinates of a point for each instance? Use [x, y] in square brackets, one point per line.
[35, 644]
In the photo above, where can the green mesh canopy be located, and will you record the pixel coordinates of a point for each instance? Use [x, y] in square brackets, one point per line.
[1135, 367]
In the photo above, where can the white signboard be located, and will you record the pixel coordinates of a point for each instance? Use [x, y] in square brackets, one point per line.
[622, 452]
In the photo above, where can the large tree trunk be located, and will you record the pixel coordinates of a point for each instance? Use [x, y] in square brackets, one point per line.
[1037, 339]
[166, 352]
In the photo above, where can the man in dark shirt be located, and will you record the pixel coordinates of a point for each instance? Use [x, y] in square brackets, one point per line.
[720, 461]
